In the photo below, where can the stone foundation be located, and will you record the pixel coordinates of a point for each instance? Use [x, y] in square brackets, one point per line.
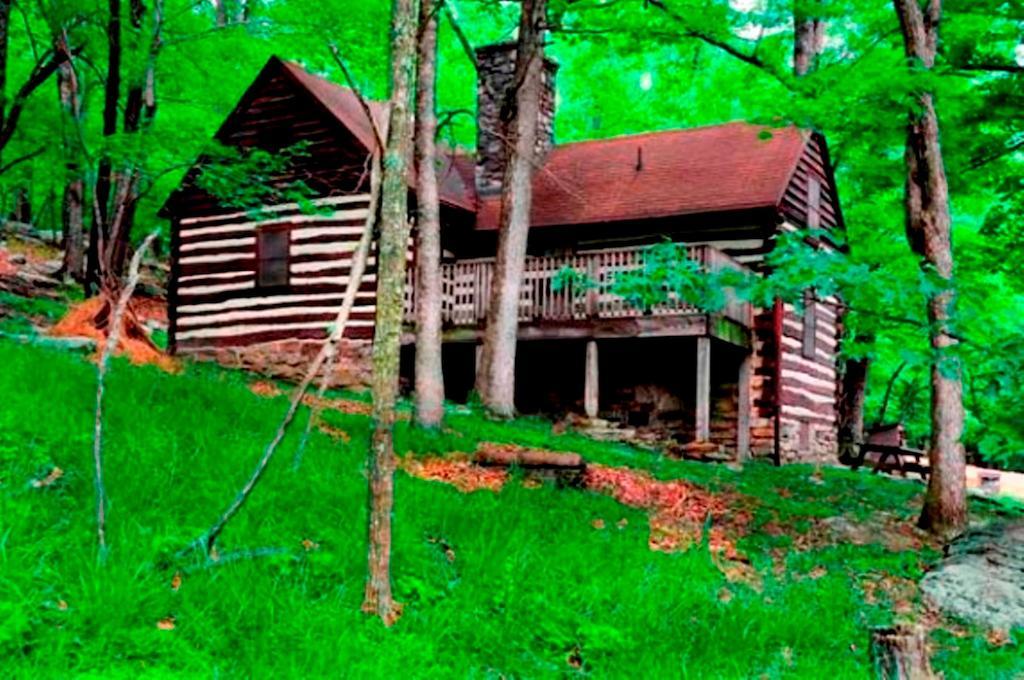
[290, 359]
[804, 441]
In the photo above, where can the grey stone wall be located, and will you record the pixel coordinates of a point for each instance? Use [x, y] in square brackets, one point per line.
[495, 102]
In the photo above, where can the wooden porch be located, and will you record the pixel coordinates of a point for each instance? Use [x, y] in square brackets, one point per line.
[547, 311]
[592, 314]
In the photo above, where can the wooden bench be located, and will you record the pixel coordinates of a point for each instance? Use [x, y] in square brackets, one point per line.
[889, 442]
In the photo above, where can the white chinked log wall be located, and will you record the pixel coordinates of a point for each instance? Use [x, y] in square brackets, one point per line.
[220, 313]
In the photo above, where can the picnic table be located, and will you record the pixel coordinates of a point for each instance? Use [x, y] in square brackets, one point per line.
[889, 443]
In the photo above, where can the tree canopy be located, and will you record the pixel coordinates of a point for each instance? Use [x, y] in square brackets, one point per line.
[626, 66]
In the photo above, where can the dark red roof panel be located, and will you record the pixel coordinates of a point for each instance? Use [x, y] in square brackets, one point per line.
[734, 166]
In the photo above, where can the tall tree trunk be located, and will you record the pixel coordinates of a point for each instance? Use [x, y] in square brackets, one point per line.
[429, 375]
[851, 407]
[105, 172]
[73, 199]
[22, 210]
[929, 230]
[391, 255]
[496, 373]
[809, 37]
[117, 188]
[5, 36]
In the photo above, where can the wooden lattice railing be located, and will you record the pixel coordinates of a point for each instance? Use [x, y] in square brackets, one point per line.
[467, 284]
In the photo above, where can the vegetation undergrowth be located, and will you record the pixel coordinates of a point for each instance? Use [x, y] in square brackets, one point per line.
[519, 583]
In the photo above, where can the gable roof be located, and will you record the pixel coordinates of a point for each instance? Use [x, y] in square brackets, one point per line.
[731, 167]
[344, 105]
[735, 166]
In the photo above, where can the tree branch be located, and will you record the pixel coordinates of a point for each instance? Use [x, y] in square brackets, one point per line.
[113, 336]
[43, 69]
[378, 137]
[467, 47]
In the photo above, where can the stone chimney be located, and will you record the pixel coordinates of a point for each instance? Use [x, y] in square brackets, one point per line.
[497, 68]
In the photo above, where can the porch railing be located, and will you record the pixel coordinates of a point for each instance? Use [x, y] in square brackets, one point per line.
[467, 285]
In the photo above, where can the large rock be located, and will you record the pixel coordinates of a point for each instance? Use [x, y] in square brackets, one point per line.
[981, 579]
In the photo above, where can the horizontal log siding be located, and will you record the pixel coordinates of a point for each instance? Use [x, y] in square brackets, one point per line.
[795, 200]
[809, 385]
[217, 302]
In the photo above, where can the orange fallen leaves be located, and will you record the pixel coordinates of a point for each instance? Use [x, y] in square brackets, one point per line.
[597, 523]
[166, 623]
[460, 473]
[350, 406]
[51, 477]
[176, 581]
[264, 388]
[309, 545]
[678, 508]
[334, 432]
[90, 319]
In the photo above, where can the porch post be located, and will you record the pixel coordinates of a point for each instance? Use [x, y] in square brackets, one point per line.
[743, 408]
[590, 377]
[703, 429]
[478, 351]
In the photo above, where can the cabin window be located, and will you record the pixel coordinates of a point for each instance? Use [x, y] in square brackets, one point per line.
[810, 324]
[813, 203]
[272, 257]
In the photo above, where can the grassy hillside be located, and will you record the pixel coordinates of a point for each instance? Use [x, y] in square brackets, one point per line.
[526, 582]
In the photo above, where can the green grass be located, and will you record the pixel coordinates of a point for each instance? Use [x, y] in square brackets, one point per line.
[24, 309]
[532, 581]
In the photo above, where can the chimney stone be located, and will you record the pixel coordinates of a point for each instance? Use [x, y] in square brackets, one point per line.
[496, 66]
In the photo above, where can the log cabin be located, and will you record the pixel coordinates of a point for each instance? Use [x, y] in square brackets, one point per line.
[257, 290]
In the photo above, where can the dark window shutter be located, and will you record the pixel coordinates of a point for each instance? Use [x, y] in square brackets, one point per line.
[272, 257]
[810, 324]
[813, 203]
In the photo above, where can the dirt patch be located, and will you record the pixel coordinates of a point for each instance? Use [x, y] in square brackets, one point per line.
[91, 318]
[459, 472]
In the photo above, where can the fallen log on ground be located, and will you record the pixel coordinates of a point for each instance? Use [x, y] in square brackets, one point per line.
[566, 469]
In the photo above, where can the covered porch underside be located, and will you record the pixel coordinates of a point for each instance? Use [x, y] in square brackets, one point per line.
[692, 389]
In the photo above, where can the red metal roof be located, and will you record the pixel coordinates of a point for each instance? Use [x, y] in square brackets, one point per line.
[727, 167]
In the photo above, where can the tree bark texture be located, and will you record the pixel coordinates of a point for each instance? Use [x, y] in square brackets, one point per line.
[851, 406]
[391, 261]
[73, 199]
[900, 653]
[429, 374]
[496, 377]
[117, 184]
[929, 230]
[808, 39]
[5, 38]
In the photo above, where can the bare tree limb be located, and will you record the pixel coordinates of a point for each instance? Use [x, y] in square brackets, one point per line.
[113, 336]
[326, 353]
[378, 137]
[43, 69]
[467, 47]
[21, 159]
